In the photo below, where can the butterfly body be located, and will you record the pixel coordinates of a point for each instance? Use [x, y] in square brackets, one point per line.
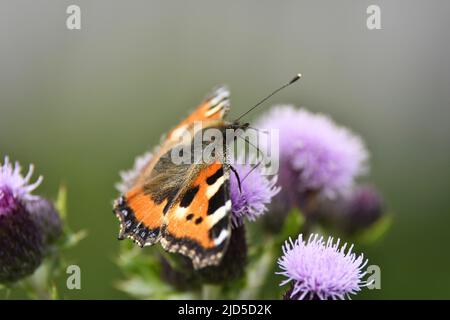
[184, 206]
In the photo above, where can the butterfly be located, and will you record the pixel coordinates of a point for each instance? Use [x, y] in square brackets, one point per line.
[185, 207]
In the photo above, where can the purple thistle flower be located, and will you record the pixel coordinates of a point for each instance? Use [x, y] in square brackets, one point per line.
[321, 270]
[47, 218]
[364, 207]
[129, 177]
[358, 209]
[28, 223]
[14, 187]
[257, 190]
[316, 154]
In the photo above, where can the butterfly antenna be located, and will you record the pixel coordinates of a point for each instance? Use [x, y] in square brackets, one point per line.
[251, 170]
[297, 77]
[260, 153]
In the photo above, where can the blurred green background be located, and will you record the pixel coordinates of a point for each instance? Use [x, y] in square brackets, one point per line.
[81, 104]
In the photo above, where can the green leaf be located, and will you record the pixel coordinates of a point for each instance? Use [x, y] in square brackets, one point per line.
[375, 232]
[54, 292]
[73, 238]
[258, 271]
[61, 202]
[211, 292]
[292, 226]
[139, 288]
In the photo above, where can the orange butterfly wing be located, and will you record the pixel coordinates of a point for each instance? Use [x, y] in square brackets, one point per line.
[198, 225]
[212, 110]
[214, 107]
[141, 211]
[140, 217]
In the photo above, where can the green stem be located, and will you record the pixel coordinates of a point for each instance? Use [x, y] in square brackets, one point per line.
[210, 292]
[258, 274]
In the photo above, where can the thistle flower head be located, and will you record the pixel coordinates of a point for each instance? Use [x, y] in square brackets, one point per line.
[47, 218]
[358, 209]
[129, 177]
[28, 223]
[319, 269]
[257, 190]
[21, 243]
[14, 187]
[316, 154]
[364, 206]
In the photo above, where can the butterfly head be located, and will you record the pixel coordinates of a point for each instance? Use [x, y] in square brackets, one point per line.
[236, 125]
